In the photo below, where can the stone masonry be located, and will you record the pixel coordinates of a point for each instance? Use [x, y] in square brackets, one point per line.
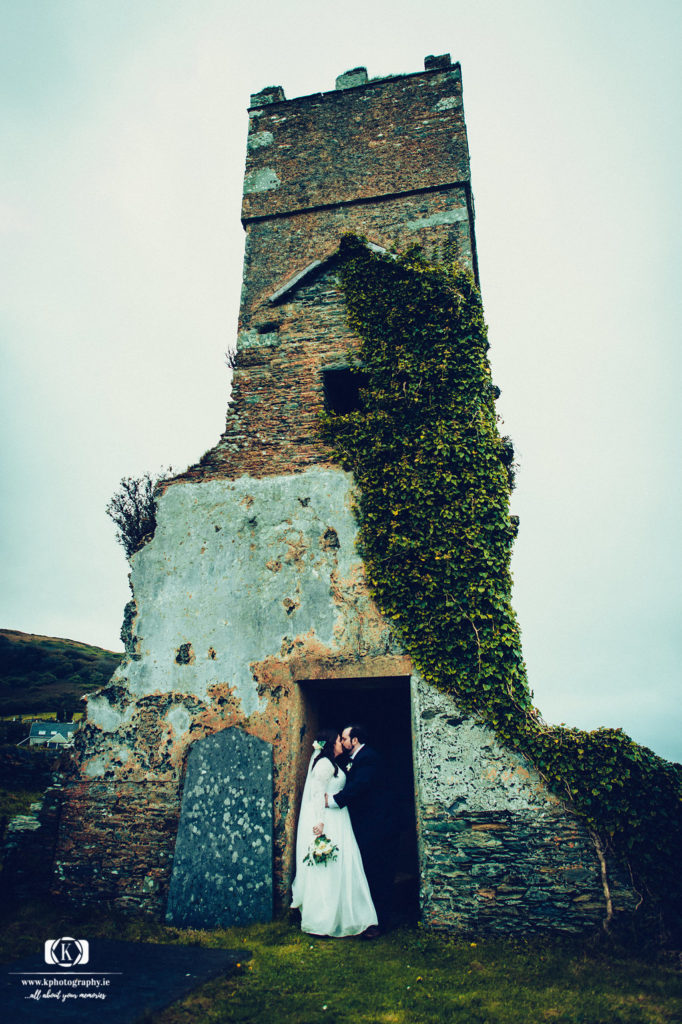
[251, 591]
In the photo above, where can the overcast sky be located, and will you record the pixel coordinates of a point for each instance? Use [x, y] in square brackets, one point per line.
[123, 126]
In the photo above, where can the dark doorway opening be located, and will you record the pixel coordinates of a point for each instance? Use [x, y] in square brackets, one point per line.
[383, 706]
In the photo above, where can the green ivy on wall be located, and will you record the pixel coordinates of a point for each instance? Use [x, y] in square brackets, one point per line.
[435, 534]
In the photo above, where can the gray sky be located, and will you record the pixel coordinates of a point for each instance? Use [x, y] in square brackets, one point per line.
[124, 128]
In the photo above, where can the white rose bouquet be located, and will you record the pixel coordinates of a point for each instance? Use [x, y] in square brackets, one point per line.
[321, 851]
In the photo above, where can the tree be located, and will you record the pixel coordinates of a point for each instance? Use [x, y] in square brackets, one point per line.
[133, 510]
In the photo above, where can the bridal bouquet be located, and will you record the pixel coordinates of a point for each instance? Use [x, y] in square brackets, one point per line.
[321, 851]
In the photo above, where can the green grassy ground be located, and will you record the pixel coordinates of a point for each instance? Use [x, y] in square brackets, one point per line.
[406, 977]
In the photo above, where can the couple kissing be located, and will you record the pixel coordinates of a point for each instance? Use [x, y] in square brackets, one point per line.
[346, 841]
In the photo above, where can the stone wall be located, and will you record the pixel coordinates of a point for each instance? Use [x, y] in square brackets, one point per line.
[116, 839]
[27, 847]
[498, 851]
[252, 586]
[279, 248]
[359, 143]
[26, 768]
[387, 160]
[278, 387]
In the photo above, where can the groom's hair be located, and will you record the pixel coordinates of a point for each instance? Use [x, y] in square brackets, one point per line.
[359, 732]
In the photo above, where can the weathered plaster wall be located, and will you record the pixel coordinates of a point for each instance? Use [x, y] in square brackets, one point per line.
[247, 586]
[236, 568]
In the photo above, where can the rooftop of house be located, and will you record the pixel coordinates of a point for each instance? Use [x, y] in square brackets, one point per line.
[51, 728]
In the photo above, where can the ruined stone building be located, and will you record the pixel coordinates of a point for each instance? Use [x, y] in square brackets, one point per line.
[250, 614]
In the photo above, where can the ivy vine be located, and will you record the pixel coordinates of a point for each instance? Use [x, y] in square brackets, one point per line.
[435, 534]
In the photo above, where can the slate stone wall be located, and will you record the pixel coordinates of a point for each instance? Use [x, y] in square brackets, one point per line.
[499, 853]
[504, 871]
[22, 768]
[278, 386]
[115, 841]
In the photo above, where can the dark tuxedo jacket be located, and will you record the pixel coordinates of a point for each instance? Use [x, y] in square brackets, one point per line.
[369, 800]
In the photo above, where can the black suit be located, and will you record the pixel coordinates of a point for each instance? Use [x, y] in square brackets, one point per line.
[371, 806]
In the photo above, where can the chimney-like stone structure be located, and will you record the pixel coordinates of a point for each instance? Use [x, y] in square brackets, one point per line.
[250, 608]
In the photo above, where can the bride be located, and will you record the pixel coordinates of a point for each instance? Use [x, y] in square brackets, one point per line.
[332, 894]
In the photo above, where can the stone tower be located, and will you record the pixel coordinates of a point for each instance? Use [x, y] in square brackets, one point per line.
[250, 610]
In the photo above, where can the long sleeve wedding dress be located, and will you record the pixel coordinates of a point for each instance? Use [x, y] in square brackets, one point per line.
[333, 898]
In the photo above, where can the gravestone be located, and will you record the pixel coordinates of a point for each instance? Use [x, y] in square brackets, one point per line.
[222, 866]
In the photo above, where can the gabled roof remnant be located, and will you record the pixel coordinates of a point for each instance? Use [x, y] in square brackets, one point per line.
[312, 267]
[296, 279]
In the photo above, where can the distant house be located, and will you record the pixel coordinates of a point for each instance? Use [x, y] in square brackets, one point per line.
[51, 734]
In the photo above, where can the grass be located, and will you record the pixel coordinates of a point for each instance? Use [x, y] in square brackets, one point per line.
[44, 716]
[17, 801]
[407, 977]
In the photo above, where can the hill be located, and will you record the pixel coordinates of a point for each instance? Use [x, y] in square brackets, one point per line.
[39, 674]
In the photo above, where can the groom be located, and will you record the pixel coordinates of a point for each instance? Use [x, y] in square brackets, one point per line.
[370, 804]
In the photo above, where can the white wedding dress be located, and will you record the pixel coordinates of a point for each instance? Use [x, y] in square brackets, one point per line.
[334, 897]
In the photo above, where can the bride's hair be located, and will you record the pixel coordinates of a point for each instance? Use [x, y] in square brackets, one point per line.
[328, 738]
